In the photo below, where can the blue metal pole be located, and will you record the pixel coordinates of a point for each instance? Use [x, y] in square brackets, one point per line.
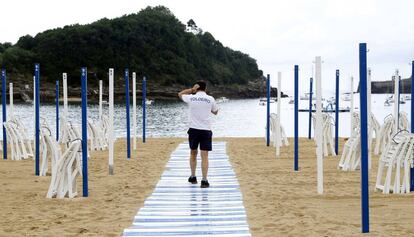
[337, 113]
[310, 108]
[57, 110]
[412, 118]
[296, 158]
[144, 108]
[268, 110]
[37, 119]
[4, 104]
[364, 137]
[84, 83]
[128, 128]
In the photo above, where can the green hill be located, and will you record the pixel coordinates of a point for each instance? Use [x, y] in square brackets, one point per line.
[152, 42]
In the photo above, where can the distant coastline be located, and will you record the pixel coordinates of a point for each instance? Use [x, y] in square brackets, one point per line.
[387, 87]
[254, 89]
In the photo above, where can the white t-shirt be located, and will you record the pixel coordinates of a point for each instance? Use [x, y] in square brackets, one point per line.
[200, 106]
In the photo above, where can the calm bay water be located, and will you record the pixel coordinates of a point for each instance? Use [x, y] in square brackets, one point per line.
[236, 118]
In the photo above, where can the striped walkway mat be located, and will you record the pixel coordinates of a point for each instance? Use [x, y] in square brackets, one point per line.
[178, 208]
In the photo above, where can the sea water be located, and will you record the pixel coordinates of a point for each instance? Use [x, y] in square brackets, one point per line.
[236, 118]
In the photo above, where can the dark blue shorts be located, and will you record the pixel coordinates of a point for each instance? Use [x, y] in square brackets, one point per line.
[198, 137]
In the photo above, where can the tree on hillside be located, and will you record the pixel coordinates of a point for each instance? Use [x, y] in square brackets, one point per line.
[192, 27]
[152, 42]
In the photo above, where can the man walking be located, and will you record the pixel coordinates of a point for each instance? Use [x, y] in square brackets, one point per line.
[201, 106]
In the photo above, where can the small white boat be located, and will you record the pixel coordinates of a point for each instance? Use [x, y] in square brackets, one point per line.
[346, 96]
[148, 102]
[306, 96]
[222, 100]
[264, 99]
[390, 100]
[331, 101]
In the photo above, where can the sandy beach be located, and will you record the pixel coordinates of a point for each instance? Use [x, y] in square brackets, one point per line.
[112, 203]
[279, 202]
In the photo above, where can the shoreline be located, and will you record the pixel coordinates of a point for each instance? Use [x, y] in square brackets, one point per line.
[253, 89]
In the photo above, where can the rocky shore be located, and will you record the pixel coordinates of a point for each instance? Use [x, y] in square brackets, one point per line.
[23, 92]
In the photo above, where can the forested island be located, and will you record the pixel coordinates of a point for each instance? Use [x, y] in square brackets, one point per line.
[152, 43]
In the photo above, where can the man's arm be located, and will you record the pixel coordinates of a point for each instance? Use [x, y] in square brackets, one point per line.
[188, 91]
[214, 108]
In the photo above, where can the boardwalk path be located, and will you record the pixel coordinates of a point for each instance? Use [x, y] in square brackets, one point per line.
[178, 208]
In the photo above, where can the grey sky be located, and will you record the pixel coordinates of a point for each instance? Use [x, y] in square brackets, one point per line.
[278, 34]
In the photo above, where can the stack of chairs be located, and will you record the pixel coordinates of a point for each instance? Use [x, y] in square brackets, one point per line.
[388, 129]
[66, 167]
[351, 153]
[327, 137]
[20, 144]
[397, 158]
[277, 139]
[98, 134]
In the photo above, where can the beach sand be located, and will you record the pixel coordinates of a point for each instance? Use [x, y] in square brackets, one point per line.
[279, 201]
[112, 203]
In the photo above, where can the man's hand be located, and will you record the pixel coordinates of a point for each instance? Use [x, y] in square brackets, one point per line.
[195, 87]
[188, 91]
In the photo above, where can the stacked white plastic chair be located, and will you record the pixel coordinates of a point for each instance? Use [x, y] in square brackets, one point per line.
[274, 135]
[48, 148]
[394, 165]
[351, 154]
[327, 137]
[66, 167]
[20, 144]
[388, 129]
[97, 134]
[278, 136]
[68, 132]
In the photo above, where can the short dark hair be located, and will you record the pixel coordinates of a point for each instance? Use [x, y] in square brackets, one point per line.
[202, 85]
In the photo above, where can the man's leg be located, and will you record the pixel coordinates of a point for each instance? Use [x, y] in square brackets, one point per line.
[193, 161]
[204, 164]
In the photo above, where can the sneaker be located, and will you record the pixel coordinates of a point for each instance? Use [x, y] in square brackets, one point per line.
[192, 179]
[204, 184]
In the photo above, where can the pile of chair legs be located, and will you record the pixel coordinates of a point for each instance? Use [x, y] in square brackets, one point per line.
[351, 153]
[65, 166]
[395, 164]
[20, 144]
[278, 139]
[327, 138]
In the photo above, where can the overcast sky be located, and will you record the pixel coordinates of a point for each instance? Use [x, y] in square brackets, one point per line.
[277, 33]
